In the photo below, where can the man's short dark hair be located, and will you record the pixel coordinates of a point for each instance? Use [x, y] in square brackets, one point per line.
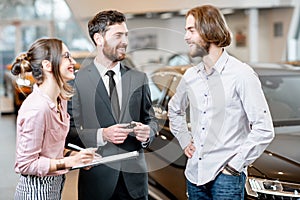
[100, 23]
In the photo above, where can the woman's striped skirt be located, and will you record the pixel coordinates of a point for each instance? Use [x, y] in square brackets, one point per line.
[39, 188]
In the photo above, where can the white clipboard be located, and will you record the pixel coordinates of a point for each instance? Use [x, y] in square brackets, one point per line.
[108, 159]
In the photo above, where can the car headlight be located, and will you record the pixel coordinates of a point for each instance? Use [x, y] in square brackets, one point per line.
[258, 186]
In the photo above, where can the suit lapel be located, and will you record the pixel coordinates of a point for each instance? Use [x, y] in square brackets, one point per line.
[101, 91]
[126, 83]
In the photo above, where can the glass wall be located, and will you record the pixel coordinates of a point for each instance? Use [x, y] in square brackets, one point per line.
[24, 21]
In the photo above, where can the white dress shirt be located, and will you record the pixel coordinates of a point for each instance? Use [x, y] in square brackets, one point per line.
[223, 105]
[117, 77]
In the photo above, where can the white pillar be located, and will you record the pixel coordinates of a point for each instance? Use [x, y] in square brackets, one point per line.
[253, 35]
[292, 49]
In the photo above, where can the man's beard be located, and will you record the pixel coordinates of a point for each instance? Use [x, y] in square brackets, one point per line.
[200, 51]
[112, 54]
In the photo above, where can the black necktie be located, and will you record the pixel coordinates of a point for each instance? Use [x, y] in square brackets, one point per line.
[114, 99]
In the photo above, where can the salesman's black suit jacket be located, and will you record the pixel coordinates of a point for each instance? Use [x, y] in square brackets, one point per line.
[91, 110]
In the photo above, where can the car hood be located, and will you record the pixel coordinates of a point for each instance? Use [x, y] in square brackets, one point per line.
[281, 160]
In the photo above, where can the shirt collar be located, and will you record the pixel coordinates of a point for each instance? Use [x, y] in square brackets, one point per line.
[51, 104]
[102, 69]
[219, 65]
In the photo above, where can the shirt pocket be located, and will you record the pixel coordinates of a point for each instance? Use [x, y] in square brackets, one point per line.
[232, 100]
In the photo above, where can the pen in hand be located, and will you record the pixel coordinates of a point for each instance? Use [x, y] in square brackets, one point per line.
[80, 149]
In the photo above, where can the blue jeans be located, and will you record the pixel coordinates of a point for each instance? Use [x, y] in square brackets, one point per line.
[224, 187]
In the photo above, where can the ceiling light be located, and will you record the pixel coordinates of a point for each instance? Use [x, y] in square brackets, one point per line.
[166, 15]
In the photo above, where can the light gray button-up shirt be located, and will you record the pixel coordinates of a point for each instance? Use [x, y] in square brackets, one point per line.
[223, 106]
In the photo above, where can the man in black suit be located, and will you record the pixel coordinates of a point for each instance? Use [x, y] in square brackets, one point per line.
[108, 97]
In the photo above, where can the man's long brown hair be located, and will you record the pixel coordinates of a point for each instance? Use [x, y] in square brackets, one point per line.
[211, 25]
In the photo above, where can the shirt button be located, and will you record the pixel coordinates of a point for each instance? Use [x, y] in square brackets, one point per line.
[201, 145]
[205, 95]
[200, 158]
[203, 128]
[204, 112]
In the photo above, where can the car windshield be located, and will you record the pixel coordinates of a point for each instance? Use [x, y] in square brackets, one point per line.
[283, 94]
[162, 86]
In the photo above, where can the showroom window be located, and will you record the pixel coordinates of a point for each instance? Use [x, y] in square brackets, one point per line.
[24, 21]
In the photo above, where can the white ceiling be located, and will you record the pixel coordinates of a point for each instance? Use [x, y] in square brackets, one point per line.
[83, 10]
